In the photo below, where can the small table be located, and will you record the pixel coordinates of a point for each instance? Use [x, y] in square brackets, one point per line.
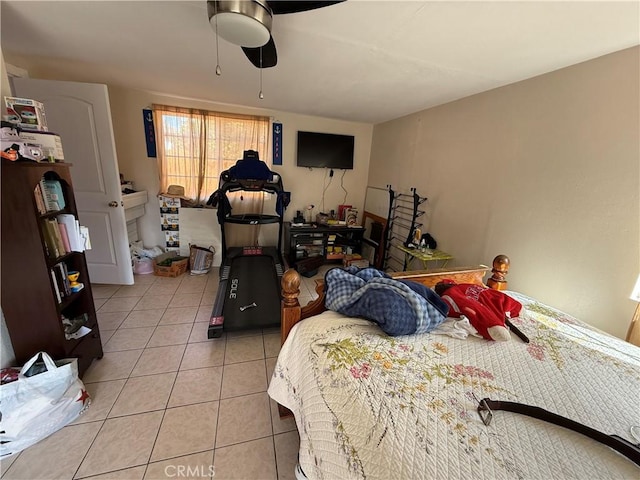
[426, 256]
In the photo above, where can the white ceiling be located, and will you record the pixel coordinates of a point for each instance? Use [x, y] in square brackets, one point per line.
[366, 61]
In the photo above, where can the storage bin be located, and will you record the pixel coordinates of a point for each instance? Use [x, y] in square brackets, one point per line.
[142, 266]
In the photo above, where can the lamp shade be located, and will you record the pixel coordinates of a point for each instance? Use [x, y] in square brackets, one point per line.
[240, 29]
[635, 294]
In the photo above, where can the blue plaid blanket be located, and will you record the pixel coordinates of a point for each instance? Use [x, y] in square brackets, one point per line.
[399, 307]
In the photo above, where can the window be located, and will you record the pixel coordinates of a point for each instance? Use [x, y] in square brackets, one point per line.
[194, 146]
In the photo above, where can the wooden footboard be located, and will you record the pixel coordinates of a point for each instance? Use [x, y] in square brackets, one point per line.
[292, 312]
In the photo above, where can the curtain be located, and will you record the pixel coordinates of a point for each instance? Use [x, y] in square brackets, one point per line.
[194, 146]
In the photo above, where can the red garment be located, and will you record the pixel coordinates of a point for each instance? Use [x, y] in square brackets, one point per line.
[483, 306]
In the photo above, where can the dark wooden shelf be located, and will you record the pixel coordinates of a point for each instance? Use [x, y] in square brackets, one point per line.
[29, 303]
[314, 239]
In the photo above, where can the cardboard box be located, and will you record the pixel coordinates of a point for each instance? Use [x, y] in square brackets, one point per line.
[50, 142]
[29, 112]
[355, 260]
[177, 267]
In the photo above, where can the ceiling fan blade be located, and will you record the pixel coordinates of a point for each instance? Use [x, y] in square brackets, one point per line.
[279, 7]
[269, 54]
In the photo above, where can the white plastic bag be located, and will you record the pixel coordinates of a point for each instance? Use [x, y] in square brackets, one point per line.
[34, 407]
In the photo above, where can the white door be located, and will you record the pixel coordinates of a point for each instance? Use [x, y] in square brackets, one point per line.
[80, 114]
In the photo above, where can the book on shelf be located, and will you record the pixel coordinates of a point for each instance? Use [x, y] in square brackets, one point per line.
[57, 236]
[57, 273]
[37, 193]
[56, 288]
[52, 194]
[50, 240]
[65, 236]
[73, 231]
[84, 235]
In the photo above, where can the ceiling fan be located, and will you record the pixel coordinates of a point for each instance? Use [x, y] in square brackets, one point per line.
[248, 23]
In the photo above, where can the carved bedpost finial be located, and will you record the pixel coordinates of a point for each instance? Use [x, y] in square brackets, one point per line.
[290, 287]
[500, 270]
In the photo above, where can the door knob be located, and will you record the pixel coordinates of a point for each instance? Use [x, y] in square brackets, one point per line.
[113, 204]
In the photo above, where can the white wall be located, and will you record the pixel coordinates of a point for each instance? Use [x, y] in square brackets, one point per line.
[546, 171]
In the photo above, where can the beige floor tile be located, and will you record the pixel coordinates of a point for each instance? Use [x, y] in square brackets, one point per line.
[195, 386]
[135, 473]
[147, 279]
[245, 333]
[6, 462]
[161, 288]
[198, 466]
[159, 360]
[287, 447]
[131, 291]
[103, 291]
[169, 280]
[129, 339]
[185, 300]
[122, 443]
[124, 304]
[105, 335]
[244, 378]
[173, 316]
[244, 349]
[143, 318]
[201, 355]
[235, 426]
[271, 331]
[271, 365]
[144, 394]
[112, 366]
[170, 335]
[191, 287]
[111, 320]
[57, 456]
[212, 287]
[204, 313]
[281, 425]
[200, 332]
[98, 302]
[103, 396]
[271, 345]
[186, 430]
[208, 299]
[153, 302]
[250, 460]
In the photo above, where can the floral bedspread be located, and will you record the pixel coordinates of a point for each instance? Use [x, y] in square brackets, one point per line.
[372, 406]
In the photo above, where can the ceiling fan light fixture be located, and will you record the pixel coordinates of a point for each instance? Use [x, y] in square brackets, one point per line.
[244, 23]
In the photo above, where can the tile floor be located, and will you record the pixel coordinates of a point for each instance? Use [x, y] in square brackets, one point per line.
[168, 402]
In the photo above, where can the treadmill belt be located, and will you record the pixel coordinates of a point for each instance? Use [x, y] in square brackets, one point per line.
[252, 280]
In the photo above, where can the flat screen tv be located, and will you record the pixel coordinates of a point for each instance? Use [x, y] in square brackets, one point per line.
[325, 150]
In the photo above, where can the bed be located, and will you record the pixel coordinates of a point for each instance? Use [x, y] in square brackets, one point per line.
[368, 405]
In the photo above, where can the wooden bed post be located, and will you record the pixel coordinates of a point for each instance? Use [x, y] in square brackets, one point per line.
[290, 305]
[500, 270]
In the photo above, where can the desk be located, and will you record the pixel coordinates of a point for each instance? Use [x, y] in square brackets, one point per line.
[410, 254]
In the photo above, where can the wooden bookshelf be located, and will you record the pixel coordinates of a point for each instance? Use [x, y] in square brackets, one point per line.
[30, 305]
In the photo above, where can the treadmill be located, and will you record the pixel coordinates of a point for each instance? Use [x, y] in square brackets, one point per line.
[249, 292]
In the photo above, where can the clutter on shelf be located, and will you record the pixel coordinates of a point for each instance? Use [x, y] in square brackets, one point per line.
[25, 136]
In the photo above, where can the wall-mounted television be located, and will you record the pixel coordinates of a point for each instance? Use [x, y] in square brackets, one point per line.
[325, 150]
